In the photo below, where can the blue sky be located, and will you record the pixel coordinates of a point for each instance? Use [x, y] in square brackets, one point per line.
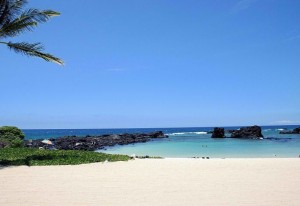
[157, 63]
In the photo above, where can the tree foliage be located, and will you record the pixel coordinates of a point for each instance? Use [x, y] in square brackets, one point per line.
[15, 20]
[11, 137]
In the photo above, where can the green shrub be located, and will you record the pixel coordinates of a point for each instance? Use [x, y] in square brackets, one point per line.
[36, 157]
[16, 143]
[11, 136]
[10, 131]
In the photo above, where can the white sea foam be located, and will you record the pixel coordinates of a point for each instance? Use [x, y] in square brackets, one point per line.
[200, 132]
[186, 133]
[176, 133]
[280, 129]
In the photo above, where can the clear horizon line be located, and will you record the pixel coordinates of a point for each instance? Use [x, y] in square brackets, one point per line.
[160, 127]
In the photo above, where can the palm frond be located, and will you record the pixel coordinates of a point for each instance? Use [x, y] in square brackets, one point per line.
[26, 22]
[37, 15]
[35, 49]
[17, 27]
[14, 20]
[10, 9]
[4, 11]
[16, 7]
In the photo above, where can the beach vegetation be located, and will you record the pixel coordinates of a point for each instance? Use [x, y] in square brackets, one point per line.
[15, 19]
[41, 157]
[11, 137]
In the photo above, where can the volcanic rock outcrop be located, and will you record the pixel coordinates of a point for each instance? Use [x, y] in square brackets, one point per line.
[93, 142]
[294, 131]
[253, 132]
[218, 133]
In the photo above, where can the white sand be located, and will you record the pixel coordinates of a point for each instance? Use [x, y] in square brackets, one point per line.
[186, 182]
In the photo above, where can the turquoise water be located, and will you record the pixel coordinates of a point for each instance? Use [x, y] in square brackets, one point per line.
[204, 146]
[193, 142]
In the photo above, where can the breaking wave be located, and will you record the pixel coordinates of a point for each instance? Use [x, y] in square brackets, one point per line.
[185, 133]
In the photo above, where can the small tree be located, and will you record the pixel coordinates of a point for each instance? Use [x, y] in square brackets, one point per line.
[15, 20]
[11, 137]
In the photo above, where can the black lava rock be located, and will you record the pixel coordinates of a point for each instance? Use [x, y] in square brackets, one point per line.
[218, 133]
[92, 143]
[253, 132]
[294, 131]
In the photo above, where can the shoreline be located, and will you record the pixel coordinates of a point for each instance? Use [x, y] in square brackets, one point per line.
[168, 181]
[246, 143]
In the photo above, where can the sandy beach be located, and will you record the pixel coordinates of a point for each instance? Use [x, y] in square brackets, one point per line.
[156, 182]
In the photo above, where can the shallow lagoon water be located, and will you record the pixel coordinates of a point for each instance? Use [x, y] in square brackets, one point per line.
[192, 142]
[205, 146]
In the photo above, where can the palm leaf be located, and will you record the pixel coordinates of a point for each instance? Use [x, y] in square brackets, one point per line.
[34, 49]
[37, 15]
[10, 9]
[14, 20]
[26, 22]
[16, 28]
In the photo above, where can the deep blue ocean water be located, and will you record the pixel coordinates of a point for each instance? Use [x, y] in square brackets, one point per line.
[191, 142]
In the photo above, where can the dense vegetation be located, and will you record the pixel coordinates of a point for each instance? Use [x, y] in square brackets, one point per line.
[13, 152]
[36, 157]
[11, 137]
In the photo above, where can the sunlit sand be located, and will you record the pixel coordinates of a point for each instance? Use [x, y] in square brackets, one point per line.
[156, 182]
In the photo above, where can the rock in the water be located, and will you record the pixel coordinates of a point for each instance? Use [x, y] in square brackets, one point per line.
[253, 132]
[294, 131]
[218, 133]
[158, 134]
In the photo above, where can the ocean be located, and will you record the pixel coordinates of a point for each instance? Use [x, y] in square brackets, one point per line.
[191, 142]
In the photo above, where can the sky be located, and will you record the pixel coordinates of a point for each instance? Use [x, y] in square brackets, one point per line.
[157, 63]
